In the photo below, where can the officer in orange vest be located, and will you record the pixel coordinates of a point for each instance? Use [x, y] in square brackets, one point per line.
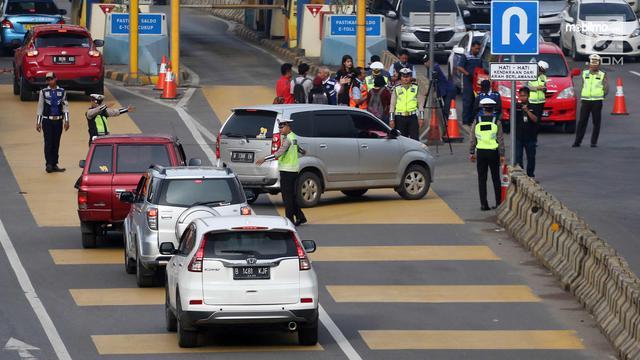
[358, 90]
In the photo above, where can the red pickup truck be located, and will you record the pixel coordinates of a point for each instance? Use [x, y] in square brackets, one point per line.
[114, 164]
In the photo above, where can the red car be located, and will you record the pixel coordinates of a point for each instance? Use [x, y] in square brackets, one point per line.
[115, 164]
[561, 101]
[68, 51]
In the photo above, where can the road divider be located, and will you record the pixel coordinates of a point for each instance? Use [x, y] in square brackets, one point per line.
[585, 264]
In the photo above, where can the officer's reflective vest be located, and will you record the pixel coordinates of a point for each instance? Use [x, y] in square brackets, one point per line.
[289, 160]
[363, 95]
[592, 86]
[406, 99]
[102, 125]
[486, 133]
[538, 96]
[370, 80]
[52, 101]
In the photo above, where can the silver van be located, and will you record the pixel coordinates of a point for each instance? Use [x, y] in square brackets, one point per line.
[347, 149]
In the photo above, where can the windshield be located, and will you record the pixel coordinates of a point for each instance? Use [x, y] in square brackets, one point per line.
[606, 12]
[442, 6]
[32, 7]
[249, 124]
[62, 40]
[186, 192]
[557, 66]
[138, 158]
[238, 245]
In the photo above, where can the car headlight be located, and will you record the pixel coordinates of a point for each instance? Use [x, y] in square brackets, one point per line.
[424, 146]
[406, 28]
[587, 33]
[635, 33]
[567, 93]
[504, 91]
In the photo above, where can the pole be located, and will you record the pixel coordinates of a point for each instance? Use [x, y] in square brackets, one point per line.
[175, 39]
[432, 39]
[512, 118]
[361, 33]
[133, 41]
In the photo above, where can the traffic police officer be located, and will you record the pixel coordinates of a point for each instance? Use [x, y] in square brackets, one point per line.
[404, 109]
[376, 70]
[97, 116]
[487, 92]
[288, 165]
[594, 89]
[538, 90]
[52, 117]
[487, 147]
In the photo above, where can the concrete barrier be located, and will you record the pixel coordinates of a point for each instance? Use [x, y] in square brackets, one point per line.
[585, 264]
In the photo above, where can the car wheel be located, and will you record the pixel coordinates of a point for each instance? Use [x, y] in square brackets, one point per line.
[569, 127]
[415, 182]
[506, 127]
[309, 189]
[98, 89]
[16, 85]
[89, 235]
[186, 338]
[308, 335]
[170, 317]
[256, 193]
[144, 276]
[25, 90]
[129, 264]
[355, 193]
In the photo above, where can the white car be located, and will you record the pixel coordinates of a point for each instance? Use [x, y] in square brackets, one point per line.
[477, 32]
[241, 270]
[600, 27]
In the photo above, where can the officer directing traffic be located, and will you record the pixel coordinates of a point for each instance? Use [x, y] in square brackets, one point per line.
[376, 70]
[594, 89]
[538, 90]
[98, 114]
[487, 147]
[289, 166]
[404, 109]
[52, 117]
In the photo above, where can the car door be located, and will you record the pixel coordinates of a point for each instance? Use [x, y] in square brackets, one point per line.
[379, 154]
[337, 145]
[179, 261]
[136, 220]
[98, 181]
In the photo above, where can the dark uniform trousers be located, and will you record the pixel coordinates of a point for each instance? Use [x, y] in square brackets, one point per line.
[408, 126]
[52, 131]
[595, 109]
[488, 160]
[292, 210]
[537, 110]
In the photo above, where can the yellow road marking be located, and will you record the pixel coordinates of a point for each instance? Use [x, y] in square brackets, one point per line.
[130, 344]
[377, 206]
[87, 256]
[432, 293]
[224, 98]
[471, 340]
[118, 296]
[402, 253]
[50, 197]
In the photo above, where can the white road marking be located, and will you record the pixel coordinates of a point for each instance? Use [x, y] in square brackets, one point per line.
[337, 335]
[30, 293]
[23, 349]
[634, 73]
[232, 25]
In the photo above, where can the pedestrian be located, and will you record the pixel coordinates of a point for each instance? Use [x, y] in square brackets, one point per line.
[345, 77]
[467, 66]
[486, 91]
[595, 88]
[289, 166]
[446, 90]
[376, 71]
[318, 93]
[405, 113]
[487, 148]
[379, 99]
[329, 84]
[402, 63]
[52, 117]
[98, 114]
[538, 90]
[526, 132]
[358, 91]
[301, 85]
[283, 85]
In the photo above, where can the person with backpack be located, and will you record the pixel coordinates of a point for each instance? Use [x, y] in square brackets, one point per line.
[379, 99]
[301, 85]
[318, 94]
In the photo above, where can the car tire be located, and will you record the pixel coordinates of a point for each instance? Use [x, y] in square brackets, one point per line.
[144, 276]
[25, 90]
[98, 89]
[569, 127]
[16, 85]
[415, 182]
[170, 318]
[308, 335]
[129, 264]
[89, 235]
[506, 127]
[186, 338]
[256, 193]
[308, 189]
[355, 193]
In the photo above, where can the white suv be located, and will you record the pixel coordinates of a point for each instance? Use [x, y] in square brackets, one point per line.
[236, 270]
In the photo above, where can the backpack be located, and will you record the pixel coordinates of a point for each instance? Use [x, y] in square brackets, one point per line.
[375, 105]
[319, 96]
[299, 95]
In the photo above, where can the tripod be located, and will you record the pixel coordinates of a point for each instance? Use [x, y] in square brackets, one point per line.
[433, 85]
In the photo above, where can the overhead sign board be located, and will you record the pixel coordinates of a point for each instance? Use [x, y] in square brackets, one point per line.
[513, 71]
[514, 27]
[148, 24]
[345, 25]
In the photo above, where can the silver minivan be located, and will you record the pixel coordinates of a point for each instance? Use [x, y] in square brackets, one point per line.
[348, 149]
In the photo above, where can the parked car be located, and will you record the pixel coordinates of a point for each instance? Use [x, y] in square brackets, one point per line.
[600, 27]
[164, 203]
[19, 16]
[114, 164]
[66, 50]
[476, 33]
[407, 24]
[551, 18]
[348, 149]
[236, 270]
[479, 10]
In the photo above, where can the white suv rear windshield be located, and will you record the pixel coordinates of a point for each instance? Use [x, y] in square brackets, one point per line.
[249, 124]
[239, 245]
[210, 192]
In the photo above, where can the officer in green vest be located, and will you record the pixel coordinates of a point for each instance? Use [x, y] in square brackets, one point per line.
[594, 89]
[376, 70]
[538, 90]
[289, 166]
[487, 149]
[405, 113]
[98, 114]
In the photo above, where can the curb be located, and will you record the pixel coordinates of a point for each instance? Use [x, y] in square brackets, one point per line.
[142, 79]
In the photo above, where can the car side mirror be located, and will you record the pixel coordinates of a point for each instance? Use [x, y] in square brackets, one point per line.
[392, 14]
[575, 72]
[167, 248]
[98, 43]
[127, 197]
[309, 246]
[466, 14]
[250, 195]
[195, 162]
[394, 133]
[82, 163]
[62, 11]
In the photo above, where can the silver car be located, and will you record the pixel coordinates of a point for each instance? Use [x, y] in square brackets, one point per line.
[165, 201]
[551, 18]
[347, 149]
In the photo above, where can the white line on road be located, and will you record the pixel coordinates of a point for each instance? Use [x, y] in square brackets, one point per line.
[634, 73]
[337, 335]
[30, 293]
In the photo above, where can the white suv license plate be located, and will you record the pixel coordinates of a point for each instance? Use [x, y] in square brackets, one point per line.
[251, 273]
[242, 156]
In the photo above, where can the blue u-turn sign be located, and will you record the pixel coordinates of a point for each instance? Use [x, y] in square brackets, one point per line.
[514, 27]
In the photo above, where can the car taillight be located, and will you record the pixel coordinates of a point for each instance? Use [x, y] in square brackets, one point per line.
[305, 264]
[7, 24]
[275, 143]
[195, 302]
[94, 53]
[152, 218]
[218, 146]
[61, 22]
[195, 265]
[82, 199]
[32, 52]
[306, 300]
[245, 210]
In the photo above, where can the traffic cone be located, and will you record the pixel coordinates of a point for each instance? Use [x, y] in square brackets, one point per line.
[453, 127]
[620, 105]
[433, 134]
[162, 74]
[169, 90]
[504, 183]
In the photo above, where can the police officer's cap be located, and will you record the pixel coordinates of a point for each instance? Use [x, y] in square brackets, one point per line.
[50, 75]
[406, 72]
[284, 121]
[543, 65]
[377, 65]
[487, 102]
[594, 59]
[97, 97]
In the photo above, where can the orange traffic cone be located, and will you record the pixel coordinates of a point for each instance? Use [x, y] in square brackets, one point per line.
[433, 134]
[620, 105]
[453, 128]
[162, 74]
[504, 183]
[169, 90]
